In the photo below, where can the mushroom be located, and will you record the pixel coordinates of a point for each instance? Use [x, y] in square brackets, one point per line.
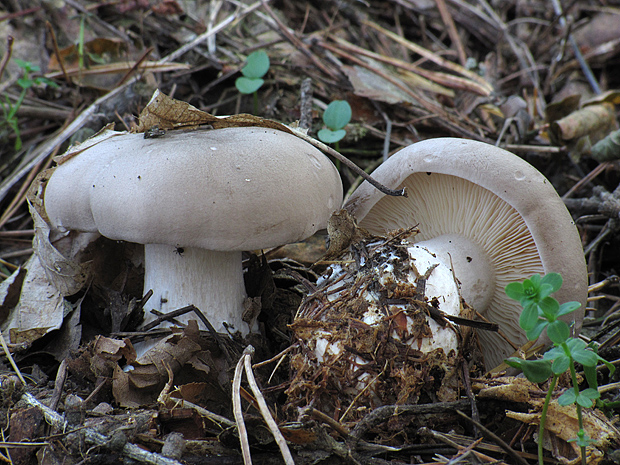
[487, 214]
[196, 200]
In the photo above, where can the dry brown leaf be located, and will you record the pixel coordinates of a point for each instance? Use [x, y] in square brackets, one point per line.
[10, 289]
[41, 308]
[562, 426]
[150, 372]
[595, 121]
[508, 389]
[108, 352]
[65, 274]
[165, 112]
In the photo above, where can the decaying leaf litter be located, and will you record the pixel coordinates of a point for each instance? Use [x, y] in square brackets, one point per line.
[411, 71]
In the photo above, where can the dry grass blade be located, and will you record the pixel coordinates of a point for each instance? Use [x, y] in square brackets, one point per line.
[264, 410]
[238, 412]
[433, 57]
[448, 80]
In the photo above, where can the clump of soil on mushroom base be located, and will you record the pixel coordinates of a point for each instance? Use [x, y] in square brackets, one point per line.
[365, 336]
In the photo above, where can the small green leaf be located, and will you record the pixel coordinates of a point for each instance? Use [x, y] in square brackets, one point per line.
[560, 364]
[584, 441]
[568, 398]
[550, 308]
[529, 317]
[537, 371]
[515, 291]
[545, 291]
[27, 66]
[558, 332]
[554, 280]
[554, 353]
[329, 137]
[586, 397]
[247, 85]
[591, 393]
[568, 307]
[591, 376]
[535, 281]
[25, 83]
[96, 58]
[575, 344]
[584, 356]
[257, 65]
[514, 362]
[530, 288]
[537, 330]
[337, 115]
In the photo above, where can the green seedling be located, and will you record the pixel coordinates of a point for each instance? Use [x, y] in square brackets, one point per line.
[257, 65]
[336, 116]
[541, 312]
[25, 82]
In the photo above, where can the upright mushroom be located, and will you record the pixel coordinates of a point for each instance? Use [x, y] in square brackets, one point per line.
[196, 200]
[486, 213]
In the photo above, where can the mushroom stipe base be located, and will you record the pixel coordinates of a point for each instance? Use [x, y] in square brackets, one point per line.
[348, 363]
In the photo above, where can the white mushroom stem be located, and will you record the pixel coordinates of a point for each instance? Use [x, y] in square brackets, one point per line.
[212, 281]
[439, 282]
[468, 263]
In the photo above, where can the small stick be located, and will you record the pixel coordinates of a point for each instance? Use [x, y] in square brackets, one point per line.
[238, 413]
[264, 408]
[91, 436]
[499, 441]
[352, 166]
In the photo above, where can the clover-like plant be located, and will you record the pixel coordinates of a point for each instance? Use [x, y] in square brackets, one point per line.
[542, 312]
[25, 82]
[257, 65]
[336, 116]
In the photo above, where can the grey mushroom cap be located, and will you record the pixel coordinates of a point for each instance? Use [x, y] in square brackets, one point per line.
[228, 189]
[494, 200]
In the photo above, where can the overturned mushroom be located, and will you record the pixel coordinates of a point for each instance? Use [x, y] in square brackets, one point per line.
[196, 200]
[488, 215]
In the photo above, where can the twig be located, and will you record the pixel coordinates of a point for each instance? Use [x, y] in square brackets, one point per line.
[59, 383]
[7, 55]
[7, 352]
[557, 8]
[210, 32]
[61, 62]
[264, 409]
[305, 106]
[381, 414]
[238, 413]
[452, 32]
[131, 451]
[352, 166]
[499, 441]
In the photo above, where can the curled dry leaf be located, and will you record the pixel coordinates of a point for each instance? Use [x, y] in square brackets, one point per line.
[149, 373]
[41, 308]
[165, 113]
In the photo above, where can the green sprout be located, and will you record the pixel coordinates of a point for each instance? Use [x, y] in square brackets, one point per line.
[257, 65]
[25, 82]
[542, 312]
[336, 116]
